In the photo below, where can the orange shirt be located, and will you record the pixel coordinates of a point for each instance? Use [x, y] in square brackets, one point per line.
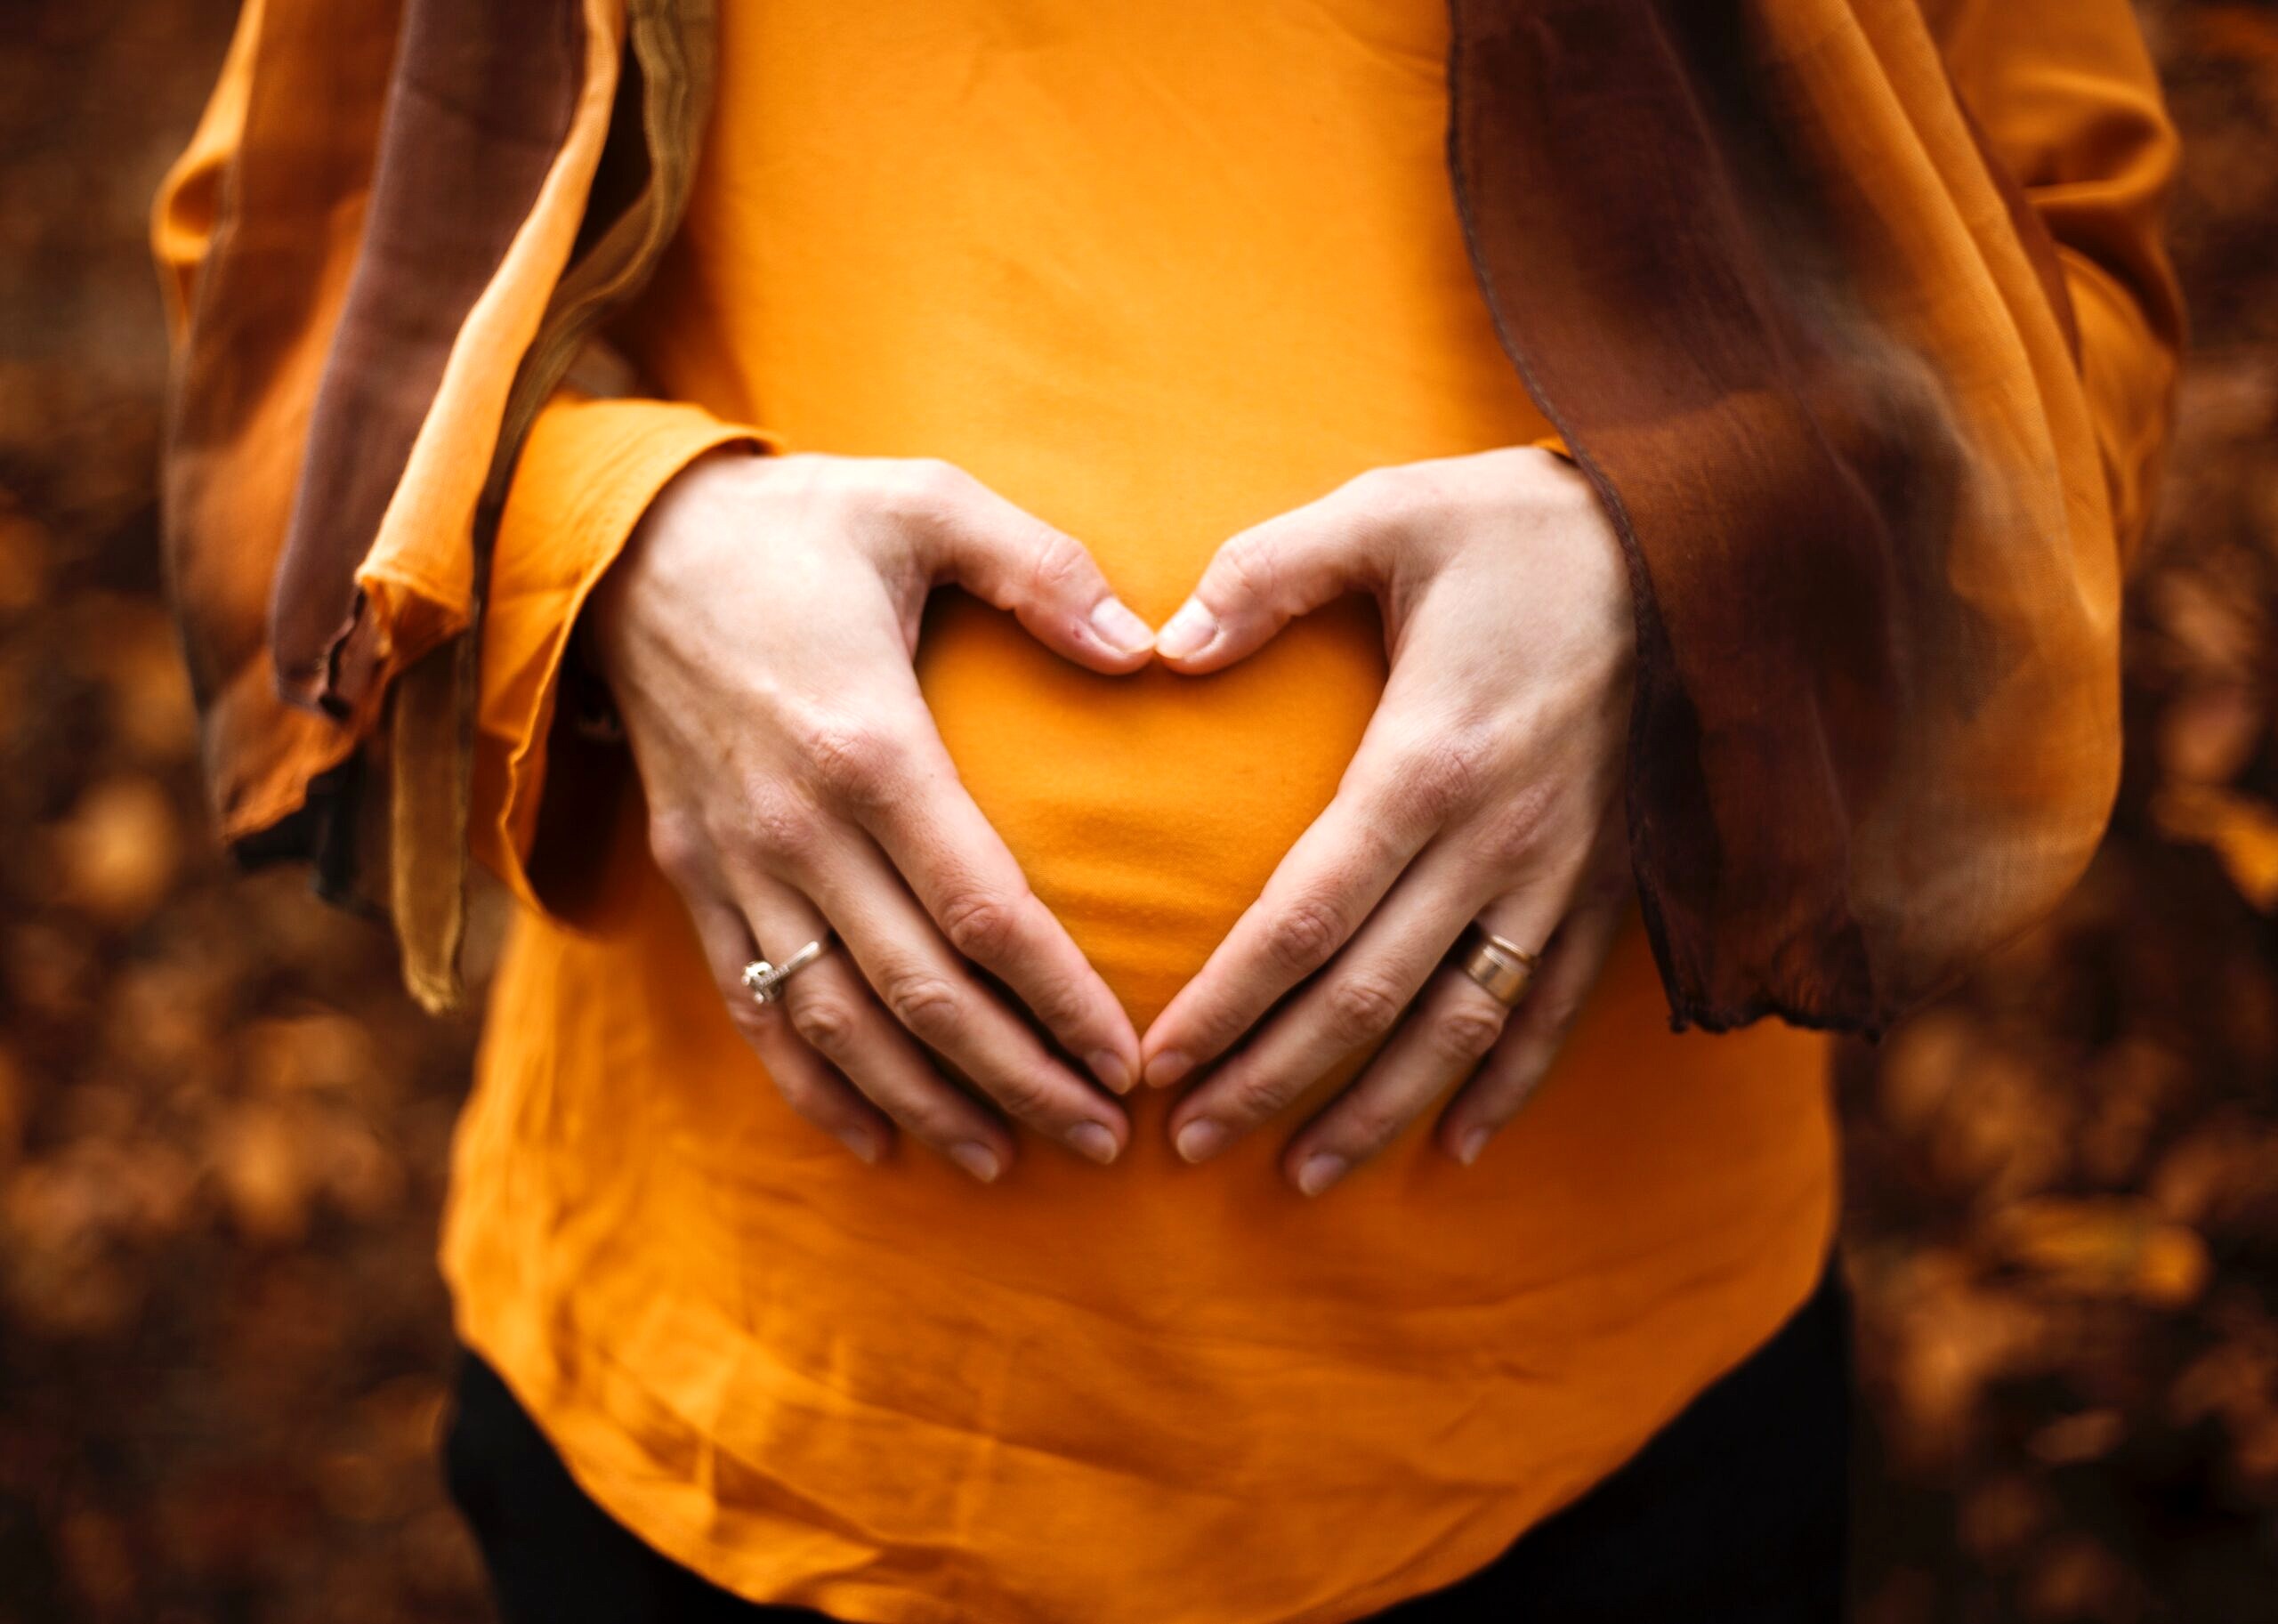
[1155, 272]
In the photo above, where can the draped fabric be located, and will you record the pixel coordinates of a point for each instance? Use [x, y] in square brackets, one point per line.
[257, 233]
[395, 223]
[1814, 347]
[1818, 354]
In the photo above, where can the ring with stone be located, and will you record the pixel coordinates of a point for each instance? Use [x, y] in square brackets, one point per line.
[764, 981]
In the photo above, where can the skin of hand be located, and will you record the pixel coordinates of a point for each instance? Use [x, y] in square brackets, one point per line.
[795, 778]
[1486, 787]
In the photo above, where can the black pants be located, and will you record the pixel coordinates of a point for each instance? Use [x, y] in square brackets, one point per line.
[1734, 1514]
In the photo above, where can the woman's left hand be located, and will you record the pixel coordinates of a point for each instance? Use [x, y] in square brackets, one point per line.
[1486, 788]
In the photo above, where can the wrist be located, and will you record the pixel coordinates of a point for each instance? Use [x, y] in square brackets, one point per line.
[632, 590]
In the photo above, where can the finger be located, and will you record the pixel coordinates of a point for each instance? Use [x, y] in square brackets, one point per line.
[1009, 557]
[830, 1008]
[1516, 1067]
[969, 882]
[808, 1083]
[1452, 1029]
[1352, 1004]
[938, 1000]
[1391, 802]
[1264, 576]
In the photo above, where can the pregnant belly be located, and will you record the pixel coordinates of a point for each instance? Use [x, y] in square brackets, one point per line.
[1148, 810]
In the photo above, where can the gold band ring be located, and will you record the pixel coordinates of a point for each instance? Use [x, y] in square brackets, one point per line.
[1497, 964]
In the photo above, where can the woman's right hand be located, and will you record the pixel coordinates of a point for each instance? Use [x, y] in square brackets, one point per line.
[757, 636]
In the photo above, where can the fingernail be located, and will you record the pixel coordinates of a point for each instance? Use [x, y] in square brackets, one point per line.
[1200, 1138]
[1188, 632]
[1120, 628]
[863, 1146]
[976, 1158]
[1468, 1147]
[1167, 1068]
[1112, 1071]
[1321, 1171]
[1091, 1139]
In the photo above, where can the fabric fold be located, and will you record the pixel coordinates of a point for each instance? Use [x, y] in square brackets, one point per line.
[1754, 265]
[587, 473]
[398, 223]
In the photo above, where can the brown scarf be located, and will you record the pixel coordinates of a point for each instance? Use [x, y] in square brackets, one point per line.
[1749, 256]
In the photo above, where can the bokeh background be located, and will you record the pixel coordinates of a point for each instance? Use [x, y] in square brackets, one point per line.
[223, 1127]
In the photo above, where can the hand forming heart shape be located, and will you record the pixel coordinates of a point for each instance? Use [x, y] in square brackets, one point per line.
[799, 792]
[1485, 790]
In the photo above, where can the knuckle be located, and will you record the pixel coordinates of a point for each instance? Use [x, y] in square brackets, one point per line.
[1059, 1004]
[1023, 1093]
[754, 1022]
[1362, 1006]
[677, 848]
[778, 822]
[1302, 936]
[928, 1005]
[825, 1023]
[1248, 567]
[1445, 776]
[1056, 568]
[1371, 488]
[1372, 849]
[983, 926]
[851, 761]
[1456, 770]
[1553, 1014]
[931, 485]
[928, 1122]
[1377, 502]
[1369, 1127]
[1465, 1033]
[1514, 830]
[1263, 1094]
[1514, 1088]
[801, 1094]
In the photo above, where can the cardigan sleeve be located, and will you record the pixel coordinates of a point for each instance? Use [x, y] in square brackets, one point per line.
[298, 293]
[355, 370]
[2069, 101]
[1876, 460]
[588, 472]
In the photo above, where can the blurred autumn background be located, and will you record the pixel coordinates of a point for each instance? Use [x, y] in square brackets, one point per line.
[222, 1342]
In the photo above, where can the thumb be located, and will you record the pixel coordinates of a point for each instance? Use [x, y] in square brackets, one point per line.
[1264, 578]
[1048, 579]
